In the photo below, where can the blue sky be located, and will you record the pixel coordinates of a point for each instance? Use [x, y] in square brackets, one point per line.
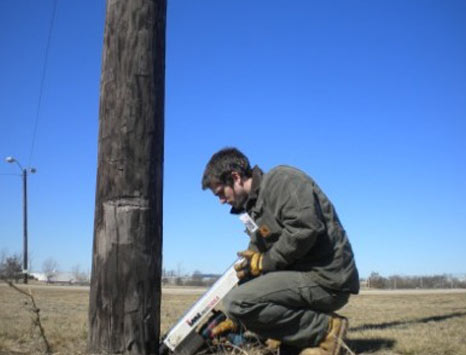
[368, 97]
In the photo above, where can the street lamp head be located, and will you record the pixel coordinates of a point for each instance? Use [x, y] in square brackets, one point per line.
[13, 160]
[33, 170]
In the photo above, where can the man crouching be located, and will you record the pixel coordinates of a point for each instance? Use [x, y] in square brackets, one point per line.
[299, 267]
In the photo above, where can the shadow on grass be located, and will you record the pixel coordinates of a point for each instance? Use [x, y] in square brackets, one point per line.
[369, 345]
[414, 321]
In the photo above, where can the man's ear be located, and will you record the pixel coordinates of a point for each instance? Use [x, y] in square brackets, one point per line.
[236, 177]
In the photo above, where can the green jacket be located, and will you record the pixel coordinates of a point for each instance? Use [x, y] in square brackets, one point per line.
[298, 229]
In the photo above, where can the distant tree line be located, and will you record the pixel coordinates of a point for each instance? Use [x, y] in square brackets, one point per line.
[11, 269]
[172, 277]
[375, 280]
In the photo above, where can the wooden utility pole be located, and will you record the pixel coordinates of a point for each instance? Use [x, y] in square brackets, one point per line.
[124, 308]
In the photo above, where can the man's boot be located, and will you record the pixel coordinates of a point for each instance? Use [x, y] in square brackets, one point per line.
[332, 343]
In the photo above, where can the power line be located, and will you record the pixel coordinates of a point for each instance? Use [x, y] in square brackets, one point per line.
[41, 89]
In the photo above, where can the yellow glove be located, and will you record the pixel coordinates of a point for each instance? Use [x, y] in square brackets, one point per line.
[251, 264]
[226, 326]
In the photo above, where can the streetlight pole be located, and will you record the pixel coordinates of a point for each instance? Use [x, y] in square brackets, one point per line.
[25, 225]
[24, 173]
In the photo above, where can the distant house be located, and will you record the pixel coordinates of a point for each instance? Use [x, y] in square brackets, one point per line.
[63, 277]
[59, 277]
[39, 276]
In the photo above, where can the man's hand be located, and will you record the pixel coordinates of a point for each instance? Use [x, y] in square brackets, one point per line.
[251, 264]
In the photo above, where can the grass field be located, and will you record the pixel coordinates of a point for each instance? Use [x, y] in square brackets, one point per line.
[387, 323]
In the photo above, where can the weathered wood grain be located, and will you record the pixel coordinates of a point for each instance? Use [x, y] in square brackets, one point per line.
[124, 308]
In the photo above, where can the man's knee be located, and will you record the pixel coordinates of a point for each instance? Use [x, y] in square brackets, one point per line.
[231, 305]
[237, 304]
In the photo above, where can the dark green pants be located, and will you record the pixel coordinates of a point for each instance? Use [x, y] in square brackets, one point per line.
[284, 305]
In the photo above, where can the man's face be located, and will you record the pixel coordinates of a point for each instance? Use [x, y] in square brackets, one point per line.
[235, 195]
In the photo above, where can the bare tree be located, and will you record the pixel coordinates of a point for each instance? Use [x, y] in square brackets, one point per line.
[179, 269]
[124, 307]
[3, 255]
[30, 260]
[10, 267]
[78, 275]
[50, 268]
[196, 279]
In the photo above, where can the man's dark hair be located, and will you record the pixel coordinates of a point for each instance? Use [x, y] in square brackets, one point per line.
[222, 164]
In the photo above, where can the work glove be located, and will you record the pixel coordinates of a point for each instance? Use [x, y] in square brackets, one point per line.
[223, 327]
[250, 265]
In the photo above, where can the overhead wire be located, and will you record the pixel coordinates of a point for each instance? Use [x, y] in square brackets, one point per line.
[41, 88]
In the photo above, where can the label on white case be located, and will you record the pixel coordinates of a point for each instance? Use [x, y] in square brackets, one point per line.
[248, 222]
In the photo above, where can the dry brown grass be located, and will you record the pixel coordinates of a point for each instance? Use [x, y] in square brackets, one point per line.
[63, 314]
[407, 324]
[379, 324]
